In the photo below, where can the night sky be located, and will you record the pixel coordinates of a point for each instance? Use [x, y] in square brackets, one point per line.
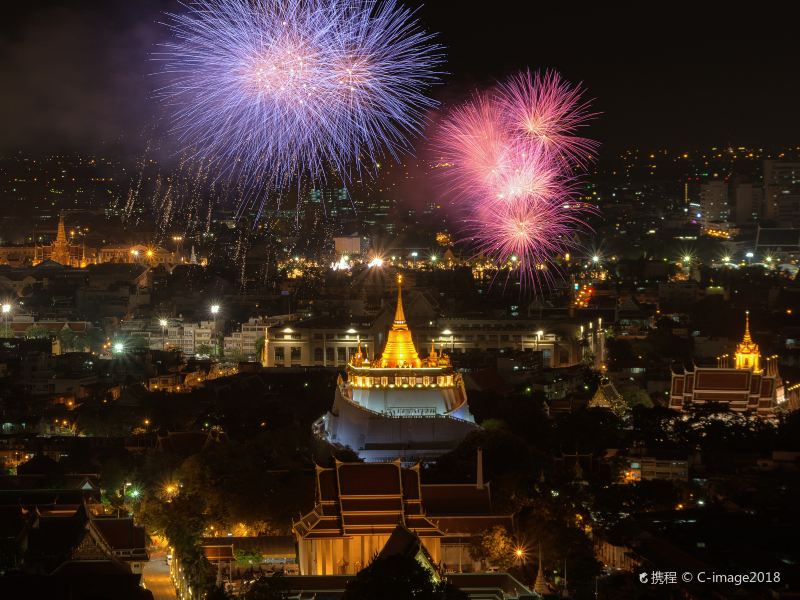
[75, 73]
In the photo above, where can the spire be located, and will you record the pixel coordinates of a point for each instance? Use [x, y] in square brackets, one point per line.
[748, 355]
[747, 339]
[540, 585]
[399, 350]
[61, 236]
[399, 315]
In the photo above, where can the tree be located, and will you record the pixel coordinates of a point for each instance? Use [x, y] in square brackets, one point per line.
[203, 349]
[37, 332]
[67, 338]
[260, 342]
[399, 578]
[635, 396]
[218, 593]
[95, 338]
[495, 547]
[267, 587]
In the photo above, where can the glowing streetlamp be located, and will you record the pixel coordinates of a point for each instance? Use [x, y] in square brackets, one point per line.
[163, 323]
[452, 340]
[119, 347]
[214, 312]
[6, 309]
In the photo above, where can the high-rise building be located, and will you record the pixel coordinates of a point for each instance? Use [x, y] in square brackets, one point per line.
[714, 206]
[747, 200]
[782, 192]
[333, 201]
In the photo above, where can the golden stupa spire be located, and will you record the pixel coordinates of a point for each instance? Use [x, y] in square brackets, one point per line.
[399, 315]
[399, 350]
[747, 339]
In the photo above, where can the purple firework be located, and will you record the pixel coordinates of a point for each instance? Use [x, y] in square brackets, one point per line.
[285, 91]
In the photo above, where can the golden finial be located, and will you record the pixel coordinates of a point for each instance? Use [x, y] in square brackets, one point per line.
[747, 326]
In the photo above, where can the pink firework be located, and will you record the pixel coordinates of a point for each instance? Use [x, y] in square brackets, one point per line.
[512, 159]
[545, 109]
[493, 162]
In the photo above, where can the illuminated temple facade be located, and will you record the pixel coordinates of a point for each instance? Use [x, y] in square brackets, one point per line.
[745, 382]
[398, 405]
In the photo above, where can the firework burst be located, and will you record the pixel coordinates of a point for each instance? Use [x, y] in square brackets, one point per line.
[545, 109]
[514, 159]
[276, 92]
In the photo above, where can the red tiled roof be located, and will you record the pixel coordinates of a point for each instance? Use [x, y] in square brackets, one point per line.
[218, 553]
[326, 485]
[369, 479]
[121, 533]
[371, 504]
[456, 499]
[470, 525]
[410, 478]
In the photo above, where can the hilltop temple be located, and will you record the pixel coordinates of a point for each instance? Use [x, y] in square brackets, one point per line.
[398, 405]
[745, 382]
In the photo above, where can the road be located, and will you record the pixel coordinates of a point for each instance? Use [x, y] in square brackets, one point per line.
[156, 577]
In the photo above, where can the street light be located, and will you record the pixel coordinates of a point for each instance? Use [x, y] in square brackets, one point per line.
[6, 311]
[163, 323]
[214, 311]
[452, 340]
[119, 347]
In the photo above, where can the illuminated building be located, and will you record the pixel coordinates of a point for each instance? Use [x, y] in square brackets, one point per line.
[714, 203]
[782, 192]
[358, 506]
[398, 405]
[746, 382]
[61, 251]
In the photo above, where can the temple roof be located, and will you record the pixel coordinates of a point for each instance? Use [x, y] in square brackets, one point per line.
[373, 498]
[399, 350]
[747, 345]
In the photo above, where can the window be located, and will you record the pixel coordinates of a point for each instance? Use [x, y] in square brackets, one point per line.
[329, 354]
[341, 355]
[296, 353]
[279, 356]
[317, 354]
